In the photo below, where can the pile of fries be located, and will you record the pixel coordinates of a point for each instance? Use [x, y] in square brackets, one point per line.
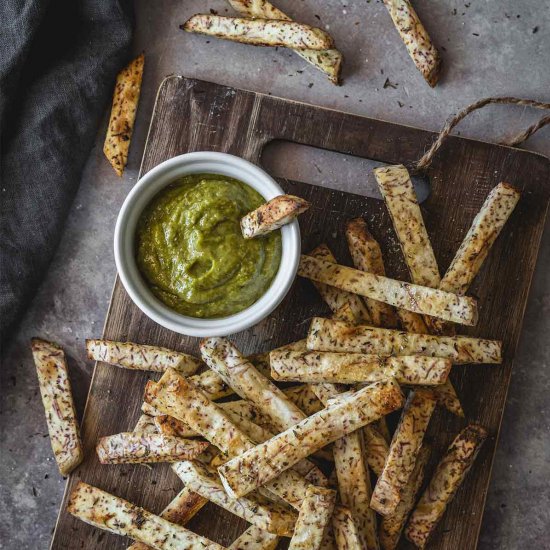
[264, 451]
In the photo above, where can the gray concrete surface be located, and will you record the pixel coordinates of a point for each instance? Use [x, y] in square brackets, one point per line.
[489, 48]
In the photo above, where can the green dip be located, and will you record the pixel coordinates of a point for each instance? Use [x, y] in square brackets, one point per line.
[192, 254]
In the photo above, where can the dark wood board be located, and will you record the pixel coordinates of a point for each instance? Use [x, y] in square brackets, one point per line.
[192, 115]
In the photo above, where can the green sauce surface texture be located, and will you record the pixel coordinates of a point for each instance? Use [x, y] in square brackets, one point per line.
[191, 252]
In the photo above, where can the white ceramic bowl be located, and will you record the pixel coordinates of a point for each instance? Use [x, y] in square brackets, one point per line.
[142, 193]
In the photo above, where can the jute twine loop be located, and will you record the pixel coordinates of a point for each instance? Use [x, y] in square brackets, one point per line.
[427, 158]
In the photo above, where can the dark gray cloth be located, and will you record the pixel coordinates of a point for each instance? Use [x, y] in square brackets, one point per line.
[58, 62]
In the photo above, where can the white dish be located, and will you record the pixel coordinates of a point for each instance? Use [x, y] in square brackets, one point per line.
[124, 244]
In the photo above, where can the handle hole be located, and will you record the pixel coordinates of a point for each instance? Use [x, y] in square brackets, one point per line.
[297, 162]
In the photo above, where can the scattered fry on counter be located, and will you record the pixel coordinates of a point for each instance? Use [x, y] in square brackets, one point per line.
[475, 247]
[140, 448]
[331, 335]
[204, 480]
[449, 475]
[118, 516]
[367, 256]
[315, 515]
[255, 539]
[350, 368]
[123, 114]
[129, 355]
[272, 215]
[404, 449]
[339, 301]
[392, 524]
[416, 298]
[57, 398]
[260, 32]
[416, 39]
[327, 61]
[348, 413]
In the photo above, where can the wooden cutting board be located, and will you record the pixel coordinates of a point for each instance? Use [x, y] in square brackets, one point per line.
[192, 115]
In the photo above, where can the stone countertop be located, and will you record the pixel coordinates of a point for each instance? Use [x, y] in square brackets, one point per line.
[488, 48]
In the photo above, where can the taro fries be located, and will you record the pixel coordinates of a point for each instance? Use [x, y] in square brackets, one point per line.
[450, 473]
[57, 398]
[417, 41]
[118, 516]
[123, 114]
[416, 298]
[327, 61]
[314, 517]
[140, 448]
[129, 355]
[260, 32]
[351, 368]
[345, 414]
[272, 215]
[330, 335]
[269, 516]
[177, 397]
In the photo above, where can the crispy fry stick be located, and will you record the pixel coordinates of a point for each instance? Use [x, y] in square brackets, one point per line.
[327, 61]
[420, 299]
[272, 215]
[376, 447]
[129, 355]
[340, 302]
[400, 197]
[449, 474]
[475, 247]
[255, 539]
[260, 32]
[351, 469]
[146, 425]
[367, 256]
[174, 395]
[345, 529]
[238, 373]
[392, 525]
[351, 368]
[123, 114]
[330, 335]
[315, 515]
[180, 510]
[304, 398]
[140, 448]
[211, 384]
[266, 461]
[204, 480]
[118, 516]
[445, 393]
[403, 453]
[170, 426]
[416, 39]
[57, 398]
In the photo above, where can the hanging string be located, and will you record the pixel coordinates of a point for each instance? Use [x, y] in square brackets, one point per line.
[427, 158]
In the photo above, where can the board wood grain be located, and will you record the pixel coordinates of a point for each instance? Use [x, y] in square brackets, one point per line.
[192, 115]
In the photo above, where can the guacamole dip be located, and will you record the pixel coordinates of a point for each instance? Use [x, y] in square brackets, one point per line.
[191, 253]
